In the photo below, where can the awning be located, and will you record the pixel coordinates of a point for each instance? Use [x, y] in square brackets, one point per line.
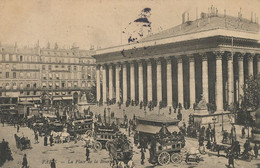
[57, 84]
[36, 98]
[148, 129]
[43, 84]
[57, 98]
[173, 128]
[50, 84]
[67, 98]
[155, 129]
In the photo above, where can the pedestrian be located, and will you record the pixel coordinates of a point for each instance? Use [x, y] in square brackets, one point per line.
[231, 159]
[209, 144]
[18, 128]
[87, 154]
[243, 132]
[45, 140]
[53, 164]
[129, 131]
[51, 140]
[24, 163]
[36, 137]
[256, 148]
[170, 110]
[142, 156]
[3, 122]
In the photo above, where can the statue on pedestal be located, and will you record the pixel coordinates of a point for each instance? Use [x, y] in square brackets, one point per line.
[202, 105]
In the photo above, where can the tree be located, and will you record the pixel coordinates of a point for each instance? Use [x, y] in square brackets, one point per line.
[250, 100]
[251, 93]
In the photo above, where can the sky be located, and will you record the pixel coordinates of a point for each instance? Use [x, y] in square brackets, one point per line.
[98, 22]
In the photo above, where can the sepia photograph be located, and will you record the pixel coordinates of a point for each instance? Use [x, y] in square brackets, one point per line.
[129, 84]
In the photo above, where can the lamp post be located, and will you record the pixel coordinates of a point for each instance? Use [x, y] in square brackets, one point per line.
[109, 115]
[214, 121]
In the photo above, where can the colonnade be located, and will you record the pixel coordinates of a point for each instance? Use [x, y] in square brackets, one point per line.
[143, 86]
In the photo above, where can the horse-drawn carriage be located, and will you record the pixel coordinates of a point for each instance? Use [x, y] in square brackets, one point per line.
[103, 135]
[160, 133]
[120, 151]
[81, 126]
[22, 142]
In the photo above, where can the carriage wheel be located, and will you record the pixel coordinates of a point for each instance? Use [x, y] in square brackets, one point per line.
[89, 133]
[97, 145]
[164, 158]
[108, 143]
[176, 158]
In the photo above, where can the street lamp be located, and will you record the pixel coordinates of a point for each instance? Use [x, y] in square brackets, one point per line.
[214, 120]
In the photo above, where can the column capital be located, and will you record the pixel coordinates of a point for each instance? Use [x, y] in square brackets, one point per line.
[158, 61]
[168, 59]
[132, 62]
[179, 59]
[229, 56]
[148, 61]
[204, 56]
[258, 57]
[191, 58]
[218, 54]
[111, 64]
[98, 66]
[140, 61]
[118, 64]
[250, 56]
[240, 56]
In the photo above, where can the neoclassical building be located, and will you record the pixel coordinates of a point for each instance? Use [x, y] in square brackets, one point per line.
[210, 56]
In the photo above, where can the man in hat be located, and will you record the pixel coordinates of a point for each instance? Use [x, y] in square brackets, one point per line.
[256, 148]
[87, 154]
[142, 156]
[53, 164]
[24, 163]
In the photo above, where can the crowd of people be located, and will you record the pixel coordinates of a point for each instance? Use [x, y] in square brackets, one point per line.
[5, 152]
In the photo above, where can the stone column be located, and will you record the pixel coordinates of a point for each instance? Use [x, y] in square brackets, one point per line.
[258, 64]
[149, 81]
[140, 81]
[230, 79]
[240, 74]
[124, 82]
[159, 79]
[219, 82]
[169, 81]
[192, 81]
[111, 89]
[180, 81]
[98, 81]
[104, 82]
[250, 59]
[117, 83]
[132, 80]
[205, 84]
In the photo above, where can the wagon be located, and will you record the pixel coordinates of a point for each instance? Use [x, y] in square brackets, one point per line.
[160, 133]
[166, 153]
[120, 151]
[22, 142]
[80, 126]
[104, 135]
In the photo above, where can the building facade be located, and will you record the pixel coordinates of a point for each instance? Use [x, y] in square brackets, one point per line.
[38, 74]
[210, 57]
